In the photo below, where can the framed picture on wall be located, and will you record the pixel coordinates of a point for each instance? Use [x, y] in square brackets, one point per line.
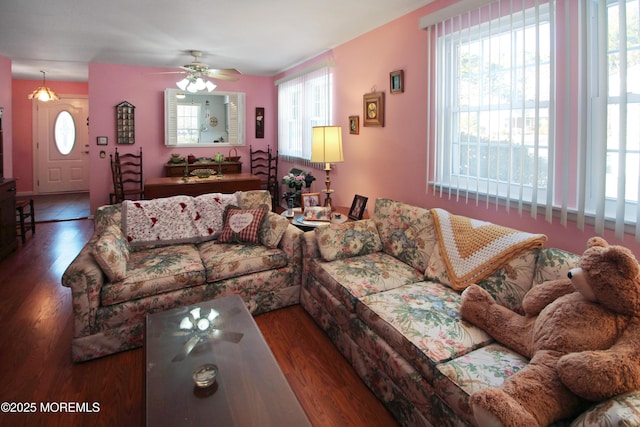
[259, 122]
[373, 109]
[396, 81]
[102, 140]
[354, 125]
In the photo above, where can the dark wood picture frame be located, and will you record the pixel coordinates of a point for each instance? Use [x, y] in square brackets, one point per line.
[357, 207]
[354, 125]
[259, 122]
[396, 81]
[373, 109]
[102, 140]
[125, 123]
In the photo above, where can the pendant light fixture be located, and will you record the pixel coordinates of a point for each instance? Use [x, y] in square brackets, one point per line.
[43, 93]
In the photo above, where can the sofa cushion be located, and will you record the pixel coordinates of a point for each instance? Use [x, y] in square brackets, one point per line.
[554, 264]
[210, 211]
[272, 229]
[510, 283]
[242, 225]
[422, 321]
[254, 199]
[352, 278]
[155, 271]
[224, 261]
[111, 252]
[485, 367]
[406, 232]
[349, 239]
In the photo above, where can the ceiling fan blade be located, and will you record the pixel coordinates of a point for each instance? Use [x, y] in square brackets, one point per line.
[222, 77]
[186, 349]
[224, 71]
[234, 337]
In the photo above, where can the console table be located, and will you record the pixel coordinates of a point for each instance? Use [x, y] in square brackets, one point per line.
[194, 186]
[177, 169]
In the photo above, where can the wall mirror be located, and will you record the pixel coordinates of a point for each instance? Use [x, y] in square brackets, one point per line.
[204, 119]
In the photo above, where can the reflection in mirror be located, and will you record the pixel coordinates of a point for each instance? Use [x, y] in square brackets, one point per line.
[204, 120]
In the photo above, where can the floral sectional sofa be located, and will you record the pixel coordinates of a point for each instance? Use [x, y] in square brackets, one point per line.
[125, 272]
[382, 291]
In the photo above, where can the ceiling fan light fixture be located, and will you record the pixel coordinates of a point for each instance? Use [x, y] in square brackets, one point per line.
[43, 93]
[200, 85]
[210, 86]
[182, 84]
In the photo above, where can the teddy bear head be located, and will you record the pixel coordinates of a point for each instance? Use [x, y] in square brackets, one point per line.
[609, 275]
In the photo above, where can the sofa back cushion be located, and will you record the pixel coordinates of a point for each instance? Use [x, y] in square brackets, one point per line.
[553, 264]
[339, 241]
[406, 232]
[254, 199]
[272, 229]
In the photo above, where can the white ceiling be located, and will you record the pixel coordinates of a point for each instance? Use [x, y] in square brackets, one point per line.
[258, 37]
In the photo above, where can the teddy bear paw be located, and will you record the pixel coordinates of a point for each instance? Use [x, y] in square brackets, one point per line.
[485, 418]
[476, 295]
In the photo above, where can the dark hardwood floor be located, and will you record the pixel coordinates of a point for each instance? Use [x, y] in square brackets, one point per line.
[37, 373]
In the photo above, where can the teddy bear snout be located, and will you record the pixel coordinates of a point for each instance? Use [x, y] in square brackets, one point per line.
[579, 281]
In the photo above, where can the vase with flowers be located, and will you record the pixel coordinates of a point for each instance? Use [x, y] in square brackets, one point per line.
[295, 184]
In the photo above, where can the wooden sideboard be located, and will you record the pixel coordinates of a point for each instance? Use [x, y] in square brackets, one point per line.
[8, 242]
[173, 186]
[177, 169]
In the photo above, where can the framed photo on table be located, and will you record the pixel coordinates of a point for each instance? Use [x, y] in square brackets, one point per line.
[310, 199]
[357, 207]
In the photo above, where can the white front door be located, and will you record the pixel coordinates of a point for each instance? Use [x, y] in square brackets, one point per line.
[61, 145]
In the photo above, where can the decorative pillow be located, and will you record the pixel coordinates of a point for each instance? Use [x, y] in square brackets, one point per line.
[111, 252]
[406, 232]
[242, 225]
[349, 239]
[272, 230]
[210, 210]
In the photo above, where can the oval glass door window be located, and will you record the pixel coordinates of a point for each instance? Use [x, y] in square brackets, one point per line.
[65, 132]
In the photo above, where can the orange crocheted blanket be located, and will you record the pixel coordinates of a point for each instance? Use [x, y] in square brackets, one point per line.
[473, 249]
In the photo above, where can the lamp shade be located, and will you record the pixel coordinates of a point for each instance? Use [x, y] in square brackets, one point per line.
[326, 144]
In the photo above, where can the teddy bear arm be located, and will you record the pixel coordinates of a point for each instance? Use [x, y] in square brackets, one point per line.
[602, 374]
[544, 294]
[504, 325]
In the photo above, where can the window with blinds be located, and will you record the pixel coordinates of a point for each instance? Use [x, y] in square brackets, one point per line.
[535, 106]
[304, 101]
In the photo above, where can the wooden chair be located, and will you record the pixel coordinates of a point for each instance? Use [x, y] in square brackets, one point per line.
[24, 210]
[126, 172]
[265, 165]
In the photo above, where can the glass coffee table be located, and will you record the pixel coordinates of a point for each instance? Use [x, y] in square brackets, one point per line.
[250, 389]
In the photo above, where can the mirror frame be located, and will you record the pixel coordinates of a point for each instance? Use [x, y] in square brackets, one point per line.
[170, 123]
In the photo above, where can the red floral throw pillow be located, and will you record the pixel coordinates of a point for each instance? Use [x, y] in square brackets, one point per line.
[242, 225]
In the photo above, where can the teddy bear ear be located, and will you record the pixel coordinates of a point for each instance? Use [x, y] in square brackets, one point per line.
[597, 241]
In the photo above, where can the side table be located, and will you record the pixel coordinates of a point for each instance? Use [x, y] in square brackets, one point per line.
[341, 217]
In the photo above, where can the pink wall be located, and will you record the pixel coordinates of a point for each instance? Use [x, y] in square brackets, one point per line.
[22, 108]
[5, 103]
[144, 88]
[391, 161]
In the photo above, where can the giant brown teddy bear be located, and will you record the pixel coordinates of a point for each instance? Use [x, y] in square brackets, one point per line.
[582, 335]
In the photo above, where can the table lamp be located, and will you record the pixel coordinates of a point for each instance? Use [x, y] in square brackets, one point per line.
[326, 147]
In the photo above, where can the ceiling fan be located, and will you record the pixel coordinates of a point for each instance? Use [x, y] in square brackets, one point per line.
[197, 73]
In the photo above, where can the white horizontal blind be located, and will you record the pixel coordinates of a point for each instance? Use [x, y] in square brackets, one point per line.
[303, 102]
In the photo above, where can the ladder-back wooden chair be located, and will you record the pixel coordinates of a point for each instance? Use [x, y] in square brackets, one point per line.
[264, 164]
[126, 171]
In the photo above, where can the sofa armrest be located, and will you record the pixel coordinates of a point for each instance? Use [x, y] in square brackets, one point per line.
[291, 244]
[310, 251]
[85, 279]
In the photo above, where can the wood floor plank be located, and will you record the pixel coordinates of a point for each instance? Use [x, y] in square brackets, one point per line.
[35, 354]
